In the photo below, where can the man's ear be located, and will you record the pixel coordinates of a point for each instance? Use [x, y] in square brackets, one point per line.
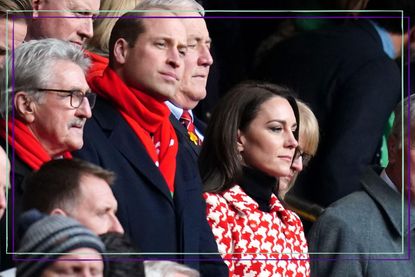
[120, 50]
[393, 149]
[240, 141]
[58, 211]
[36, 6]
[25, 106]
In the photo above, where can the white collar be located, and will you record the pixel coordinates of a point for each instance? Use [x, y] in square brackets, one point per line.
[388, 181]
[177, 111]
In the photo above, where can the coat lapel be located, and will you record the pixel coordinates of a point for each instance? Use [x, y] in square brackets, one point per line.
[388, 199]
[123, 138]
[184, 137]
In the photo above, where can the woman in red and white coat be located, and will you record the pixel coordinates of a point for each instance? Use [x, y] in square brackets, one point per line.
[250, 143]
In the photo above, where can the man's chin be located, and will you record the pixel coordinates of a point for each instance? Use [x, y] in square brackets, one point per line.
[75, 146]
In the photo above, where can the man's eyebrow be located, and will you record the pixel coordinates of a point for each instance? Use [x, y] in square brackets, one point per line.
[165, 37]
[200, 39]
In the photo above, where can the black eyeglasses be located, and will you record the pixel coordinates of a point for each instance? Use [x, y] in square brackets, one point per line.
[304, 156]
[77, 96]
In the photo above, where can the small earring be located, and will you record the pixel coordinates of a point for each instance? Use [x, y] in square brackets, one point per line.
[240, 157]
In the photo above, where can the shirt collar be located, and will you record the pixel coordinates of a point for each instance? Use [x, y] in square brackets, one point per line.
[387, 43]
[176, 111]
[388, 181]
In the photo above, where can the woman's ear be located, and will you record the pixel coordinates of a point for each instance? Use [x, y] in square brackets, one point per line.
[25, 106]
[240, 142]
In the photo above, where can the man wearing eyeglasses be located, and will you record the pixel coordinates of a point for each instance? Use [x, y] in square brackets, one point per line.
[44, 108]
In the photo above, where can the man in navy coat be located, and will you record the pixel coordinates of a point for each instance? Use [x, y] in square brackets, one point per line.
[165, 218]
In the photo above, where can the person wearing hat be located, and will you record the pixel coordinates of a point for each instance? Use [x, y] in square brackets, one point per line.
[60, 246]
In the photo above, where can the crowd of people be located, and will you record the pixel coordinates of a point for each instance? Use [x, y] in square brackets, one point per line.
[109, 172]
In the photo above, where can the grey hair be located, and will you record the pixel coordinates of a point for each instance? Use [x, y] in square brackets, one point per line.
[168, 269]
[401, 112]
[31, 67]
[179, 5]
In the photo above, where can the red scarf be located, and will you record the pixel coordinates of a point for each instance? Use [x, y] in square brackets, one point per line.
[27, 147]
[146, 116]
[98, 65]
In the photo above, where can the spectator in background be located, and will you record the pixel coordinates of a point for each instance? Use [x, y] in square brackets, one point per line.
[250, 143]
[307, 148]
[125, 261]
[308, 143]
[338, 74]
[98, 45]
[12, 33]
[50, 99]
[4, 179]
[62, 247]
[68, 20]
[14, 27]
[158, 189]
[77, 189]
[373, 223]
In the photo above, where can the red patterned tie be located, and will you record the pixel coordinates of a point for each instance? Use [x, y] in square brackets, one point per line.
[186, 120]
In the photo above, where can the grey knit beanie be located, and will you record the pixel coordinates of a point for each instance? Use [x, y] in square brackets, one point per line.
[48, 238]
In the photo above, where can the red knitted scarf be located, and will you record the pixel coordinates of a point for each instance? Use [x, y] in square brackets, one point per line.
[27, 147]
[98, 65]
[148, 118]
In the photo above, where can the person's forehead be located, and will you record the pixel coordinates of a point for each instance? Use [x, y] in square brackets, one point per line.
[73, 4]
[196, 27]
[73, 258]
[92, 185]
[66, 74]
[81, 5]
[164, 22]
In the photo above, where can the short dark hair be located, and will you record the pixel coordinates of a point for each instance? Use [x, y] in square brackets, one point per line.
[219, 164]
[129, 27]
[57, 184]
[392, 25]
[125, 265]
